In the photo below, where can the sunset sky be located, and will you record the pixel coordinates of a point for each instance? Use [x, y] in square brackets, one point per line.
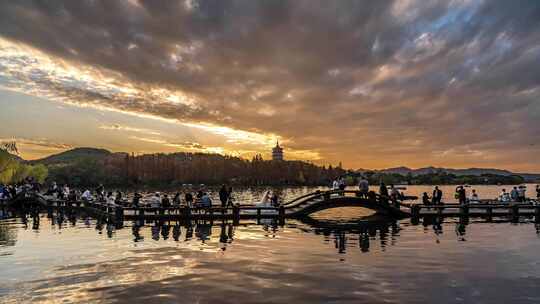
[373, 84]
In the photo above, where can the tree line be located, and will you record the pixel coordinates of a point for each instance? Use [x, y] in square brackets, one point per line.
[174, 169]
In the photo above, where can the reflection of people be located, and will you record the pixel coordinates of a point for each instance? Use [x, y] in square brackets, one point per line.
[461, 230]
[223, 237]
[136, 229]
[364, 242]
[176, 232]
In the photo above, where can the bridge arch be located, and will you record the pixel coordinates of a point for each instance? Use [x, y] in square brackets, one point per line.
[318, 201]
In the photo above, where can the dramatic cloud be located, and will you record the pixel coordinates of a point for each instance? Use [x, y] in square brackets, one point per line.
[372, 83]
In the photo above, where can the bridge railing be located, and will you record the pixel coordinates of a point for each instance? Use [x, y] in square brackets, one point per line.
[319, 194]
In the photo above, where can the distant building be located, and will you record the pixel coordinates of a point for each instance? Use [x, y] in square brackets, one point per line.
[277, 152]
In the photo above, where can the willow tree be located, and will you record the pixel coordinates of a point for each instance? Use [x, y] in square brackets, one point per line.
[11, 170]
[8, 164]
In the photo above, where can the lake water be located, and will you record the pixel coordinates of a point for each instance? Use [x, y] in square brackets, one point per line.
[338, 256]
[254, 194]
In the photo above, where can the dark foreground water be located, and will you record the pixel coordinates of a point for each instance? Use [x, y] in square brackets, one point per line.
[73, 259]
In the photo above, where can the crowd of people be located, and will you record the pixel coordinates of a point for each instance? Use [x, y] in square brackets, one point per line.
[186, 198]
[517, 194]
[201, 198]
[10, 191]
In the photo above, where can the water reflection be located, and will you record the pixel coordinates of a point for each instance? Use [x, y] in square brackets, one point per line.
[72, 257]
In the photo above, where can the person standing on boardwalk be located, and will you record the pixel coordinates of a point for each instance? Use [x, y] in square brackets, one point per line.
[383, 192]
[165, 201]
[514, 195]
[461, 195]
[521, 193]
[538, 192]
[176, 199]
[136, 199]
[363, 187]
[342, 184]
[437, 196]
[189, 199]
[223, 196]
[335, 185]
[229, 197]
[474, 197]
[504, 197]
[425, 199]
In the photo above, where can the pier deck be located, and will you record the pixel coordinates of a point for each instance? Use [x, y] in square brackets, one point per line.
[299, 207]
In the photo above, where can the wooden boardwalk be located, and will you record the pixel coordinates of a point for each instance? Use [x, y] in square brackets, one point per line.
[297, 208]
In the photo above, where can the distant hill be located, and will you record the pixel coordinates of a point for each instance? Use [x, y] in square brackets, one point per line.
[73, 155]
[431, 170]
[76, 154]
[529, 177]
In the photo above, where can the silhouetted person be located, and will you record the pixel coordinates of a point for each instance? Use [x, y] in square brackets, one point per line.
[363, 187]
[521, 194]
[165, 201]
[136, 199]
[425, 199]
[437, 196]
[189, 199]
[223, 196]
[100, 191]
[118, 199]
[341, 184]
[274, 200]
[383, 191]
[176, 199]
[229, 197]
[461, 195]
[538, 192]
[514, 195]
